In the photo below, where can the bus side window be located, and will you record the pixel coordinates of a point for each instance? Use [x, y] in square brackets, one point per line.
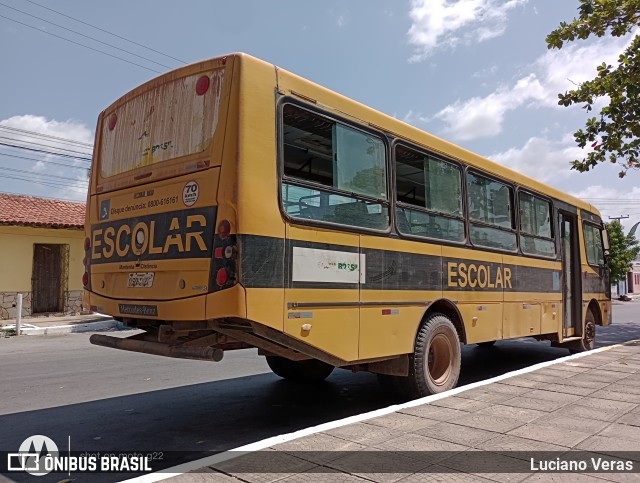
[429, 196]
[535, 226]
[491, 213]
[349, 162]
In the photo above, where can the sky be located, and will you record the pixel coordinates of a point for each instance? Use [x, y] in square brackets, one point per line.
[474, 72]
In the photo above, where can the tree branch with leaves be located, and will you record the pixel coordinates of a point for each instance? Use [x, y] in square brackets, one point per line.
[614, 135]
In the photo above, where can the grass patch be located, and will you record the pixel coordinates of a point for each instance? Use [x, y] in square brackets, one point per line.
[8, 332]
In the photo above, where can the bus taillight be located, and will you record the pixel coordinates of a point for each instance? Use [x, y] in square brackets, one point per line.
[87, 244]
[85, 279]
[224, 261]
[113, 119]
[222, 277]
[202, 85]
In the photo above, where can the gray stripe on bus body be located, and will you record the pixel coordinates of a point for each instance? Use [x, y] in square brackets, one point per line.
[385, 269]
[592, 283]
[262, 261]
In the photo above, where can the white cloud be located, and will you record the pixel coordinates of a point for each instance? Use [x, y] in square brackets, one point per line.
[72, 130]
[545, 160]
[486, 72]
[483, 116]
[553, 72]
[448, 23]
[67, 175]
[565, 69]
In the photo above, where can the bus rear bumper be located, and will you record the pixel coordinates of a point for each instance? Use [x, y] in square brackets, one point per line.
[226, 303]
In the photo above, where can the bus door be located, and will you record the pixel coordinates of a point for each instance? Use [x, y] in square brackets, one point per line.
[571, 287]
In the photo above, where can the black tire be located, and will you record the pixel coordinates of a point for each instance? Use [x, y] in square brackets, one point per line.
[489, 343]
[434, 367]
[588, 341]
[311, 370]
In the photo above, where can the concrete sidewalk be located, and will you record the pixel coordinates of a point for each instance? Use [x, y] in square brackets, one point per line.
[585, 408]
[61, 324]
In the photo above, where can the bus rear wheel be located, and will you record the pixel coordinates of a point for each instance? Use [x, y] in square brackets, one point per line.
[311, 370]
[434, 367]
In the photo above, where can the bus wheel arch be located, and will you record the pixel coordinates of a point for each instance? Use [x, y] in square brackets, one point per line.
[594, 306]
[448, 309]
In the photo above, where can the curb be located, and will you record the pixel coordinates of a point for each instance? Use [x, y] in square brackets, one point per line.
[68, 329]
[195, 465]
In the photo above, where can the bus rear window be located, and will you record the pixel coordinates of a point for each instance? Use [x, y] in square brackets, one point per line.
[175, 119]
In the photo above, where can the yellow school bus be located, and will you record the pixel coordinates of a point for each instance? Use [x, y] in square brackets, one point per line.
[233, 204]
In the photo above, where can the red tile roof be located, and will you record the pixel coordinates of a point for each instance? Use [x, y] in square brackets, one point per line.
[42, 212]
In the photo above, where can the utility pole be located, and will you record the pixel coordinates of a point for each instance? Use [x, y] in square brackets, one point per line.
[618, 217]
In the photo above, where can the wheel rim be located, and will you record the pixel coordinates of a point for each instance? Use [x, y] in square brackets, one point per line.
[439, 362]
[589, 333]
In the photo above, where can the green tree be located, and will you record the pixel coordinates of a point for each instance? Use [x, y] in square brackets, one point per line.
[623, 250]
[614, 136]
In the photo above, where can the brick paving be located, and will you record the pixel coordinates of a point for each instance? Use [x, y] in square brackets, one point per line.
[584, 407]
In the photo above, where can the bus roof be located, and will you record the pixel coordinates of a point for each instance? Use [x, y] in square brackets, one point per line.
[332, 100]
[290, 83]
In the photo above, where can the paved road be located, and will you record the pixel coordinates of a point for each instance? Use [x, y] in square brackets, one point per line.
[108, 400]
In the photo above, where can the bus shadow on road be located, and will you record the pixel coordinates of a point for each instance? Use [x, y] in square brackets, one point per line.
[207, 418]
[201, 419]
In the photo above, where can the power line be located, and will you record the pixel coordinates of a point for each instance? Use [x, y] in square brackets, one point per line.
[46, 152]
[86, 36]
[38, 196]
[106, 32]
[43, 161]
[81, 45]
[33, 143]
[15, 170]
[52, 184]
[46, 136]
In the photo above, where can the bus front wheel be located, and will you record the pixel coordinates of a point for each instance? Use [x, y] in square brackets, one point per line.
[435, 364]
[311, 370]
[588, 341]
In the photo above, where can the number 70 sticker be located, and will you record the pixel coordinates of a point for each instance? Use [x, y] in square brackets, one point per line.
[190, 193]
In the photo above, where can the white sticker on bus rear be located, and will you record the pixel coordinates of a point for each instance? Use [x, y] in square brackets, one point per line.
[190, 193]
[328, 266]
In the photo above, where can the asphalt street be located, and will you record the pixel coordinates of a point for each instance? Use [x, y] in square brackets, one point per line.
[108, 400]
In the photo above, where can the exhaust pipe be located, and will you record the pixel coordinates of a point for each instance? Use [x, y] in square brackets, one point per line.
[210, 354]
